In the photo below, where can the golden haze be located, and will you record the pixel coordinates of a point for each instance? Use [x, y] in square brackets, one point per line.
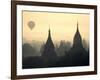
[62, 25]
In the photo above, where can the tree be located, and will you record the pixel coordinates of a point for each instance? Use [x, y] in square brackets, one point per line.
[28, 50]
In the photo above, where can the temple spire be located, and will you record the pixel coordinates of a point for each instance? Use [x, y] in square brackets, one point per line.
[49, 54]
[77, 41]
[49, 32]
[77, 27]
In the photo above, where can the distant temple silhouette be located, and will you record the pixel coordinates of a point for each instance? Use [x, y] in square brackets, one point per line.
[49, 54]
[77, 55]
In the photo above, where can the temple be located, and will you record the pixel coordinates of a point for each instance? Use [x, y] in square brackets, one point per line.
[77, 55]
[49, 55]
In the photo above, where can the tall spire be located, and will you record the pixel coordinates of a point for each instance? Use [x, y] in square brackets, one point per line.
[49, 39]
[77, 27]
[49, 54]
[49, 33]
[77, 38]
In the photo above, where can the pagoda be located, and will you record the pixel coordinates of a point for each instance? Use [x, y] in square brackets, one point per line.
[49, 54]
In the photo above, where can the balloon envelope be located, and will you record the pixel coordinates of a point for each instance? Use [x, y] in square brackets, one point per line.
[31, 24]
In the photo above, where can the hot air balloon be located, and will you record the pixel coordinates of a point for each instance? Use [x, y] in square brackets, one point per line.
[31, 24]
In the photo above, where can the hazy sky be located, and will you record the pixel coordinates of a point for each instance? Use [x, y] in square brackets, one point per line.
[62, 25]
